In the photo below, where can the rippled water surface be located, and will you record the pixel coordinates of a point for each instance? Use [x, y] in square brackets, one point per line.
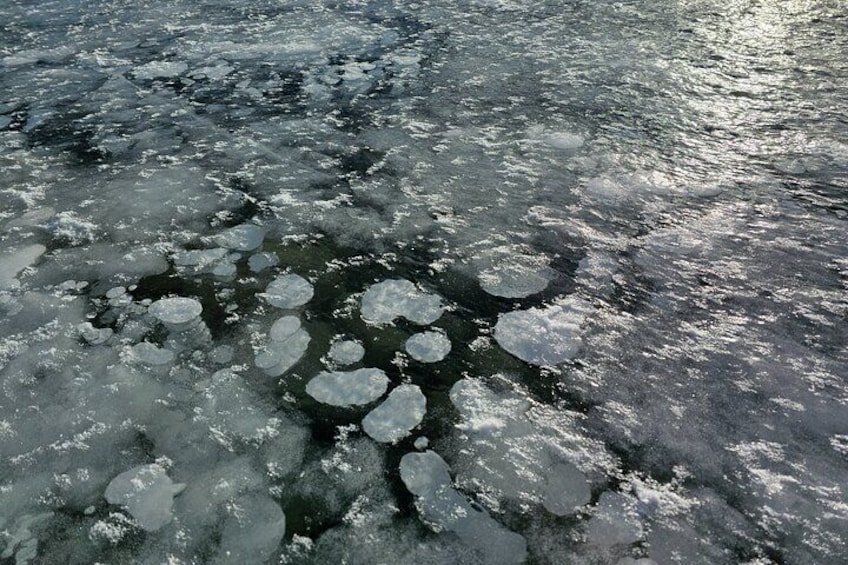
[424, 282]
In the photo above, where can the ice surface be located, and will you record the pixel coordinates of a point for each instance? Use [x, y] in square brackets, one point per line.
[351, 388]
[346, 352]
[146, 352]
[252, 530]
[94, 336]
[288, 291]
[566, 490]
[261, 261]
[395, 418]
[278, 356]
[284, 328]
[159, 69]
[615, 521]
[513, 271]
[428, 347]
[12, 263]
[176, 311]
[147, 493]
[427, 476]
[383, 302]
[245, 237]
[543, 336]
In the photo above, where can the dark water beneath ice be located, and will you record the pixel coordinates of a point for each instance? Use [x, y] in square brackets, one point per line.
[633, 214]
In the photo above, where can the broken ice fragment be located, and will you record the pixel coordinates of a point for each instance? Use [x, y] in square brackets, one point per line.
[284, 328]
[615, 521]
[148, 353]
[261, 261]
[288, 291]
[428, 347]
[252, 530]
[176, 311]
[346, 352]
[566, 490]
[280, 356]
[427, 476]
[147, 493]
[543, 336]
[245, 237]
[350, 388]
[12, 263]
[383, 302]
[94, 336]
[397, 415]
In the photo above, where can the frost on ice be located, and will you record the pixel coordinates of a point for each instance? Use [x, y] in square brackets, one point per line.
[383, 302]
[351, 388]
[543, 336]
[288, 291]
[427, 476]
[395, 418]
[428, 347]
[147, 493]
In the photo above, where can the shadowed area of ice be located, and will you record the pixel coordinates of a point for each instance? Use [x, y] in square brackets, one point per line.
[428, 347]
[543, 336]
[385, 301]
[147, 493]
[427, 476]
[348, 388]
[288, 291]
[395, 418]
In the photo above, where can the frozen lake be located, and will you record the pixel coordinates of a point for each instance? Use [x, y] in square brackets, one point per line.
[430, 282]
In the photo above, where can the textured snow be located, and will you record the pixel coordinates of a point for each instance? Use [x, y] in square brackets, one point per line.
[147, 493]
[428, 347]
[395, 418]
[543, 336]
[398, 298]
[346, 352]
[176, 311]
[427, 476]
[351, 388]
[288, 291]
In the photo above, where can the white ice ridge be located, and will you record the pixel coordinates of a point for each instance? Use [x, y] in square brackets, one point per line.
[287, 344]
[348, 388]
[147, 493]
[440, 506]
[12, 263]
[288, 291]
[245, 237]
[385, 301]
[346, 352]
[428, 347]
[543, 336]
[395, 418]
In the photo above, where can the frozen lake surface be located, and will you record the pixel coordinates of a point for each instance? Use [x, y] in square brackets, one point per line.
[430, 282]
